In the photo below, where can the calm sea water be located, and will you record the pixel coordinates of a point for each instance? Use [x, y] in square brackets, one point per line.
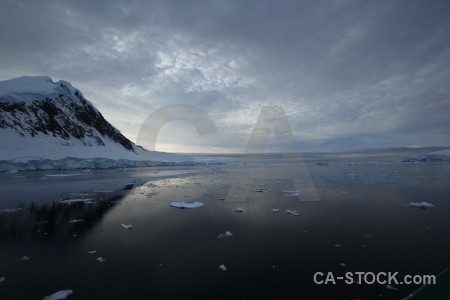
[174, 253]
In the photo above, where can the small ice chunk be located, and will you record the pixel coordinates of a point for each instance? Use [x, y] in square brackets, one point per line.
[101, 259]
[391, 287]
[367, 236]
[421, 204]
[275, 209]
[183, 204]
[291, 193]
[24, 258]
[224, 235]
[2, 279]
[92, 252]
[337, 246]
[127, 226]
[75, 221]
[61, 295]
[292, 212]
[239, 209]
[342, 264]
[222, 267]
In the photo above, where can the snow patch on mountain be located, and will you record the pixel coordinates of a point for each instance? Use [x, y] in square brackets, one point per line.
[46, 124]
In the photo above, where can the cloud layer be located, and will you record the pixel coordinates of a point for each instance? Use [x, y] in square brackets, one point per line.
[348, 74]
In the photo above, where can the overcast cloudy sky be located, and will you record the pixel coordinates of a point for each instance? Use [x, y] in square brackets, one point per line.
[348, 74]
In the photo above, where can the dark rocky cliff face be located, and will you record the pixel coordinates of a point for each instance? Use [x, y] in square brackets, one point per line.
[66, 115]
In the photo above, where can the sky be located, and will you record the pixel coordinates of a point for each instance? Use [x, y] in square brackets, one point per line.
[344, 74]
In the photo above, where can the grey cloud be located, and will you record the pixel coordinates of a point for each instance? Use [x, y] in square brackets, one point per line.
[347, 73]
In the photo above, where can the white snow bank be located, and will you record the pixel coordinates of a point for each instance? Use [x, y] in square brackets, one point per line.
[32, 86]
[421, 204]
[183, 204]
[61, 295]
[224, 235]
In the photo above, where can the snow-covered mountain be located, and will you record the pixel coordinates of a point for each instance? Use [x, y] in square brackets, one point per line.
[42, 120]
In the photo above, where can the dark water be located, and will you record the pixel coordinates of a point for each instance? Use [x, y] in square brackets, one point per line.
[174, 253]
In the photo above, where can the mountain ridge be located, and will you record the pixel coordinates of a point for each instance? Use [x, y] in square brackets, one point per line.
[42, 119]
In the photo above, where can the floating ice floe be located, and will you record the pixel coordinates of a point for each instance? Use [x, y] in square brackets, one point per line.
[2, 279]
[70, 201]
[391, 287]
[24, 258]
[126, 226]
[183, 204]
[239, 209]
[337, 246]
[291, 193]
[224, 235]
[222, 267]
[75, 221]
[92, 252]
[342, 264]
[292, 212]
[421, 204]
[9, 210]
[101, 259]
[275, 209]
[61, 295]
